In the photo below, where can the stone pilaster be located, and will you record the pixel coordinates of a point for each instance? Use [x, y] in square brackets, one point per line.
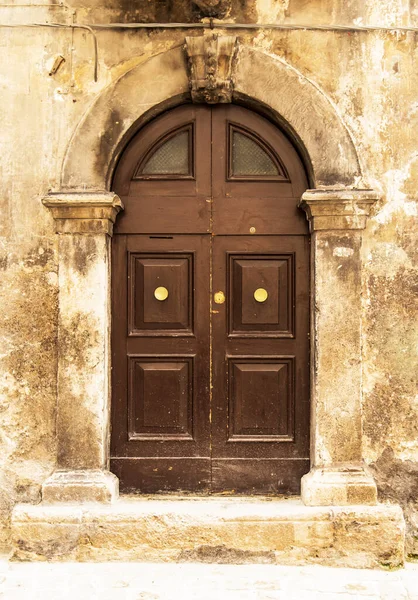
[338, 474]
[84, 223]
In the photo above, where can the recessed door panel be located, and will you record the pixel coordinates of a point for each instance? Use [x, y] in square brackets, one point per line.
[161, 294]
[261, 295]
[261, 399]
[160, 397]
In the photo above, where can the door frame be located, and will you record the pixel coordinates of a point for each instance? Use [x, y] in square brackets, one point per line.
[84, 211]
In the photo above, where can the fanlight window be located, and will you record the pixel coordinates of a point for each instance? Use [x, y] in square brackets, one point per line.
[170, 158]
[250, 157]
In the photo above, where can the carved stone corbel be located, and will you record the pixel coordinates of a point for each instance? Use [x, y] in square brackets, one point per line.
[211, 60]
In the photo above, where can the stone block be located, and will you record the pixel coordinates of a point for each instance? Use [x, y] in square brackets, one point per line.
[338, 487]
[213, 530]
[81, 486]
[45, 533]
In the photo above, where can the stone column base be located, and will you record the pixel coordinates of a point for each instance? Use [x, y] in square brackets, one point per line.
[339, 486]
[90, 485]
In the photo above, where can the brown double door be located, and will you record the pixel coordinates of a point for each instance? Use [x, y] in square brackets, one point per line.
[210, 307]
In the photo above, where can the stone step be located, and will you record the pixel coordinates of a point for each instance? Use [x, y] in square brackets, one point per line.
[232, 530]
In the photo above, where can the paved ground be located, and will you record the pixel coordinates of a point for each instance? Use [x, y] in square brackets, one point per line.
[134, 581]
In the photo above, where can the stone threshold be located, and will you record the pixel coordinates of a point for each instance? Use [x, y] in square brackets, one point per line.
[229, 530]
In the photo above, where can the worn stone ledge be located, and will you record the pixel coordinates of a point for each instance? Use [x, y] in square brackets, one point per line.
[83, 212]
[231, 530]
[339, 209]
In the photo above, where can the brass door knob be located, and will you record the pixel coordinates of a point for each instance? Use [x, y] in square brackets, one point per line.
[161, 293]
[260, 295]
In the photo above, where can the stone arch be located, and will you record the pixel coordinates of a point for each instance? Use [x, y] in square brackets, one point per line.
[300, 107]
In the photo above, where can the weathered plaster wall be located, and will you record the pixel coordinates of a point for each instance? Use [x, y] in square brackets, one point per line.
[372, 80]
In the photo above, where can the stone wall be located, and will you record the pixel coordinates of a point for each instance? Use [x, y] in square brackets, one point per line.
[371, 78]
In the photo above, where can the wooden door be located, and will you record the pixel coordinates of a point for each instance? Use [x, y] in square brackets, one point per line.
[210, 307]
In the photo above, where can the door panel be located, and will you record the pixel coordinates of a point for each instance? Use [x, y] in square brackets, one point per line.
[150, 312]
[160, 408]
[160, 398]
[150, 475]
[260, 400]
[261, 295]
[280, 476]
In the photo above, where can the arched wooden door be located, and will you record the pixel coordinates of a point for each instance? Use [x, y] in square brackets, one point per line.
[210, 307]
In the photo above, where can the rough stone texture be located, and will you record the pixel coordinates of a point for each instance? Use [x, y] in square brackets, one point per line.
[370, 80]
[82, 351]
[213, 530]
[337, 419]
[398, 480]
[338, 210]
[338, 477]
[83, 222]
[305, 111]
[84, 213]
[211, 62]
[214, 8]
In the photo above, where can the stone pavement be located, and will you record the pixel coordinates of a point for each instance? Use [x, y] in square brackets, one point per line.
[150, 581]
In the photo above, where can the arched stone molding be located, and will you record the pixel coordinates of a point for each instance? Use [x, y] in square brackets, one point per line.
[298, 105]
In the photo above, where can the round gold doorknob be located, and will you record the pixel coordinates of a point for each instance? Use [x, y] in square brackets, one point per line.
[219, 297]
[260, 295]
[161, 293]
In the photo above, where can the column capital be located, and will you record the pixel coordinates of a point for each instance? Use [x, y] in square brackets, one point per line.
[337, 209]
[83, 212]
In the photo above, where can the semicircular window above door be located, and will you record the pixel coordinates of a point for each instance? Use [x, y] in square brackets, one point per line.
[250, 156]
[170, 156]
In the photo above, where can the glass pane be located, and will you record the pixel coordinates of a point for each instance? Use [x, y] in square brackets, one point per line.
[249, 158]
[171, 158]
